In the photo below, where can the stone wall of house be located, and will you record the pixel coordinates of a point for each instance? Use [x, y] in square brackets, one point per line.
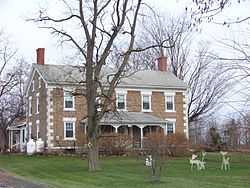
[51, 115]
[158, 107]
[59, 114]
[41, 117]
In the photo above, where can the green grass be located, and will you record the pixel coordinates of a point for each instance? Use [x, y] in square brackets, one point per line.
[124, 172]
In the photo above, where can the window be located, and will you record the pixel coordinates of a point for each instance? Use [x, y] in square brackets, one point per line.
[23, 136]
[33, 85]
[68, 101]
[69, 130]
[121, 102]
[169, 102]
[30, 106]
[146, 102]
[99, 104]
[29, 129]
[37, 129]
[170, 126]
[40, 82]
[37, 103]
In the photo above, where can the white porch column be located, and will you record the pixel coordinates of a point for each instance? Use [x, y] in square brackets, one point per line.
[165, 129]
[11, 139]
[141, 136]
[116, 130]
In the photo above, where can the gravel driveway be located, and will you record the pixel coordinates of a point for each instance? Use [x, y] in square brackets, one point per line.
[9, 181]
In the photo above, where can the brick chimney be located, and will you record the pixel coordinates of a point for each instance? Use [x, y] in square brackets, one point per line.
[40, 56]
[162, 63]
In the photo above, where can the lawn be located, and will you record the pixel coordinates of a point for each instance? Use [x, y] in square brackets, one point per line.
[71, 172]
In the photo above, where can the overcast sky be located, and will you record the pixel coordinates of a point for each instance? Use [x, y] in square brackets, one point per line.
[27, 37]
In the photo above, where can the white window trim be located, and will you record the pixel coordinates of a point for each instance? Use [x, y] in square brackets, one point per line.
[73, 100]
[69, 120]
[146, 93]
[174, 124]
[166, 94]
[30, 106]
[37, 102]
[125, 100]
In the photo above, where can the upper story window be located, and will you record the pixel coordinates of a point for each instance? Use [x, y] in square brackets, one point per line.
[146, 102]
[69, 130]
[33, 85]
[170, 129]
[98, 104]
[121, 100]
[37, 103]
[169, 102]
[30, 106]
[68, 101]
[40, 82]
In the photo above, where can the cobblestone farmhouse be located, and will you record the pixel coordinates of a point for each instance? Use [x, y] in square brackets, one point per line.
[146, 101]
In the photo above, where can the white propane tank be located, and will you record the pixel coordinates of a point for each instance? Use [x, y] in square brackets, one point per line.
[39, 145]
[31, 147]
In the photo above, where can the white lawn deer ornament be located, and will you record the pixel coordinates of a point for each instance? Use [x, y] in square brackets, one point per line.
[149, 161]
[199, 164]
[203, 155]
[225, 164]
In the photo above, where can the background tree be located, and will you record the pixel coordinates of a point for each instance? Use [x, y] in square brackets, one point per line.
[207, 78]
[11, 88]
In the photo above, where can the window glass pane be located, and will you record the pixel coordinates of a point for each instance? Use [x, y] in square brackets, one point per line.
[170, 102]
[170, 127]
[146, 105]
[30, 106]
[69, 130]
[121, 102]
[68, 100]
[23, 135]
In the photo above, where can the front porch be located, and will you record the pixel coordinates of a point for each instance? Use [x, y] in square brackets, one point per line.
[137, 133]
[17, 137]
[136, 125]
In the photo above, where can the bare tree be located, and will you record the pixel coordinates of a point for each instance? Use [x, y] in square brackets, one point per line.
[12, 75]
[207, 78]
[207, 10]
[7, 53]
[101, 25]
[12, 100]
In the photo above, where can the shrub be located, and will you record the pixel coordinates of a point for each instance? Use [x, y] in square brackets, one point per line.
[166, 145]
[114, 144]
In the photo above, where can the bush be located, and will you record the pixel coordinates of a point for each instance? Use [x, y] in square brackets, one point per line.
[166, 145]
[115, 144]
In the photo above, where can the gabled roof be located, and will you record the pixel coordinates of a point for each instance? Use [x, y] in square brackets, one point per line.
[60, 74]
[67, 74]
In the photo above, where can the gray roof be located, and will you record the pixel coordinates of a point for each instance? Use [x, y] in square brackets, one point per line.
[134, 118]
[67, 74]
[60, 74]
[153, 79]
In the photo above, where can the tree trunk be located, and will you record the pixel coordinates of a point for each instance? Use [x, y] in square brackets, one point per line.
[93, 155]
[3, 140]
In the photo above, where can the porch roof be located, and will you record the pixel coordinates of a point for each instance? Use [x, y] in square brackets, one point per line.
[131, 118]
